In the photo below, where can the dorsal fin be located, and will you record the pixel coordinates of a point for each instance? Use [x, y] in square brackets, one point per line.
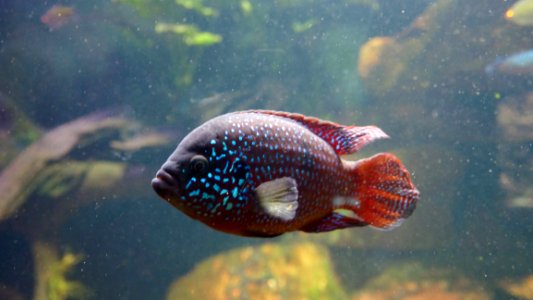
[343, 139]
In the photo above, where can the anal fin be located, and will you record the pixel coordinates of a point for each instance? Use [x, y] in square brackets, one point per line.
[333, 222]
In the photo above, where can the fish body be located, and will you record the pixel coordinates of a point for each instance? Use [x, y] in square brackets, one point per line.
[516, 64]
[264, 173]
[58, 16]
[521, 13]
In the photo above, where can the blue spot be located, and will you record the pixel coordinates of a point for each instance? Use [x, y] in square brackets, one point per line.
[209, 175]
[233, 143]
[193, 179]
[194, 193]
[229, 206]
[241, 182]
[223, 192]
[235, 192]
[217, 177]
[225, 200]
[213, 142]
[207, 196]
[216, 187]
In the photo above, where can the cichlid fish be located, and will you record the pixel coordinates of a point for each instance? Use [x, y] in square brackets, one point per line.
[520, 64]
[58, 16]
[263, 173]
[521, 13]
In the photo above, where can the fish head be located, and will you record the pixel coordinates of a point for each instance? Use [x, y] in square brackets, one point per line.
[204, 177]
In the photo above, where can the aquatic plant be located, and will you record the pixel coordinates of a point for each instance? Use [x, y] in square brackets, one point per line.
[192, 36]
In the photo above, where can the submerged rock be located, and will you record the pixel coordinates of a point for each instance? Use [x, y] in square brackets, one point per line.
[413, 281]
[521, 288]
[51, 147]
[428, 81]
[270, 271]
[515, 118]
[449, 44]
[515, 157]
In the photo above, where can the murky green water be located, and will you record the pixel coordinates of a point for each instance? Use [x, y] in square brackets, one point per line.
[94, 96]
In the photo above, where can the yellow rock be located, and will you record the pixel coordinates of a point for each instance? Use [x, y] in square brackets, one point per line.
[370, 54]
[413, 281]
[522, 289]
[270, 271]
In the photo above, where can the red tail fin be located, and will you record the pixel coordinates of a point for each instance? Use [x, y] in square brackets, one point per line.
[384, 189]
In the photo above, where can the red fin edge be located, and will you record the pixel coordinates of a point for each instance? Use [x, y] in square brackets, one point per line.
[384, 189]
[343, 139]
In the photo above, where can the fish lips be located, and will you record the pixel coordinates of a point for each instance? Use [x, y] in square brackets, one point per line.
[166, 185]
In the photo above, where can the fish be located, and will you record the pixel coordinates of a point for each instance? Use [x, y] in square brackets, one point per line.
[520, 64]
[58, 16]
[262, 173]
[521, 13]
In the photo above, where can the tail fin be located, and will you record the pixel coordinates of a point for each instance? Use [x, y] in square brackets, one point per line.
[384, 189]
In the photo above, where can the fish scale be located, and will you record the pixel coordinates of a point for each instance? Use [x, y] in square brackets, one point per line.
[264, 173]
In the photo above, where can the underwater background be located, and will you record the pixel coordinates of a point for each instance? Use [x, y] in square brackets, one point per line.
[95, 95]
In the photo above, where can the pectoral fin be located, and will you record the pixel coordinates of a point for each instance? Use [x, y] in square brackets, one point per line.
[279, 197]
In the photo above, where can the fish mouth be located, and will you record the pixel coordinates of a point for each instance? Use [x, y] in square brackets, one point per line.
[165, 185]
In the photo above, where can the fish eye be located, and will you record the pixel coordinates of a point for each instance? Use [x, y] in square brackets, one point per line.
[198, 165]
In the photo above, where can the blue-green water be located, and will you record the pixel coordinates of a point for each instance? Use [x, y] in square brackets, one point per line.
[416, 69]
